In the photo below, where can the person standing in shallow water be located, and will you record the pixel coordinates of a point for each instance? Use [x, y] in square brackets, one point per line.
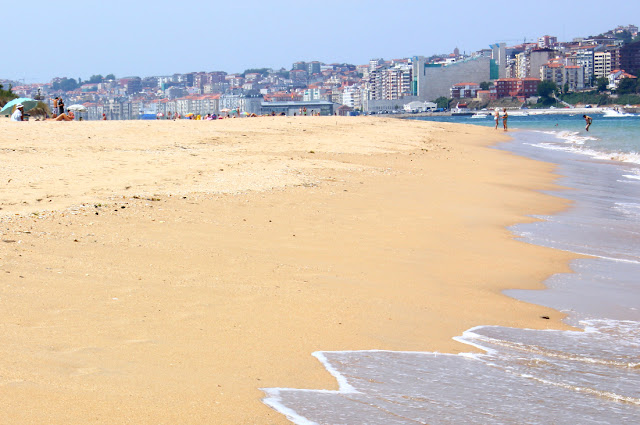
[497, 118]
[504, 119]
[588, 120]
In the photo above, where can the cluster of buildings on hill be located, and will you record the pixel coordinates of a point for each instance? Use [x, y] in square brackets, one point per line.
[381, 85]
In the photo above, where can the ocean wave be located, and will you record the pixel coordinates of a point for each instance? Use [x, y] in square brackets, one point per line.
[587, 375]
[635, 174]
[628, 208]
[627, 157]
[573, 137]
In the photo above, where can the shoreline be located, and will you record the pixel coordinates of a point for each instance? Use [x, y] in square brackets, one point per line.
[343, 238]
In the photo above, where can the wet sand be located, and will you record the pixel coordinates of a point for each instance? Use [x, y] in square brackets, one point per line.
[163, 272]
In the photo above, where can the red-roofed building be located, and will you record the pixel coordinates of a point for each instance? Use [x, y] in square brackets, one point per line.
[484, 95]
[571, 75]
[464, 90]
[616, 76]
[516, 87]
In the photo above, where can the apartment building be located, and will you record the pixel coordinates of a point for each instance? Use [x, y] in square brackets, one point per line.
[561, 74]
[375, 63]
[553, 72]
[390, 82]
[575, 77]
[234, 80]
[547, 41]
[313, 67]
[465, 90]
[311, 94]
[499, 56]
[396, 82]
[131, 85]
[521, 65]
[584, 58]
[630, 58]
[351, 96]
[537, 58]
[601, 64]
[516, 87]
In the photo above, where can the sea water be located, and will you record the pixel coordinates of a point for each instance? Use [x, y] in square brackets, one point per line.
[588, 376]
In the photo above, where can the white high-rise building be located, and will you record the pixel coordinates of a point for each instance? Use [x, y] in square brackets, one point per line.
[601, 64]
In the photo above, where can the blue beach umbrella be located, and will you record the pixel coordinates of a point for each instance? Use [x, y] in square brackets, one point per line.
[25, 101]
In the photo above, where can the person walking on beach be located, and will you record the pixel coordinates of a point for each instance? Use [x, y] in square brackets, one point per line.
[504, 119]
[588, 120]
[497, 117]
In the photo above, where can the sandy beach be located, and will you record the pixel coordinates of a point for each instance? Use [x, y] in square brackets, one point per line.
[163, 272]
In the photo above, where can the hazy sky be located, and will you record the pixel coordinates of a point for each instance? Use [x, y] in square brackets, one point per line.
[46, 39]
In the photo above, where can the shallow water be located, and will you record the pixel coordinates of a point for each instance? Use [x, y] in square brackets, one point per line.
[526, 376]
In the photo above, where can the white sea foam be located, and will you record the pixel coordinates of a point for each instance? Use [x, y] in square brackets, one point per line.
[635, 174]
[628, 208]
[574, 142]
[343, 384]
[274, 400]
[419, 387]
[629, 157]
[573, 137]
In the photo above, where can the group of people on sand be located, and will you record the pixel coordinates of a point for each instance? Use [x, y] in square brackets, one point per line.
[505, 116]
[588, 120]
[58, 113]
[18, 114]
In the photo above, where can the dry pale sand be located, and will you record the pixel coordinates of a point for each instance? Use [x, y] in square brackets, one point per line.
[164, 272]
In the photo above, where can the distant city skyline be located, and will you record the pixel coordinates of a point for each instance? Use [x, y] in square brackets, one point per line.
[144, 38]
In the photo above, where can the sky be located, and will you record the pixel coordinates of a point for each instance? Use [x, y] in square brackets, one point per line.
[47, 39]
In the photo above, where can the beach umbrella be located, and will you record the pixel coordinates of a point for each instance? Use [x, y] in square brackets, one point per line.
[28, 104]
[190, 114]
[244, 113]
[225, 110]
[77, 108]
[160, 114]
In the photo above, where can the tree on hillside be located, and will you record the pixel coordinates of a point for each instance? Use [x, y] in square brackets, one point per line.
[110, 77]
[485, 85]
[545, 88]
[260, 71]
[65, 84]
[6, 95]
[442, 102]
[627, 86]
[95, 79]
[601, 83]
[625, 36]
